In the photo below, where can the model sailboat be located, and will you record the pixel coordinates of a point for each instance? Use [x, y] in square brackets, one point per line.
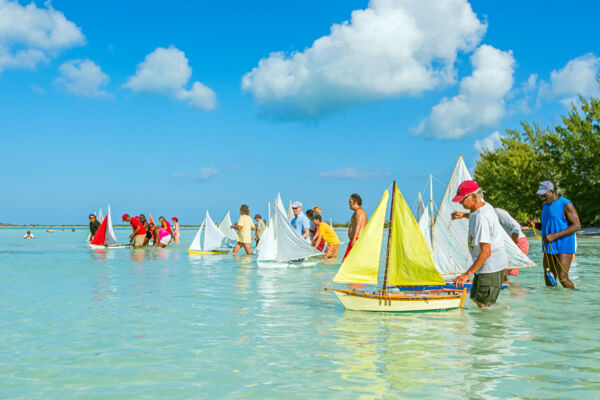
[408, 263]
[447, 238]
[281, 246]
[225, 227]
[212, 242]
[105, 236]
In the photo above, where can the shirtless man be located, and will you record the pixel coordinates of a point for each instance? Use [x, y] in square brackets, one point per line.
[358, 221]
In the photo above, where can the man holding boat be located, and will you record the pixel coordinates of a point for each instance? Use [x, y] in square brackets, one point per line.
[486, 245]
[139, 233]
[560, 221]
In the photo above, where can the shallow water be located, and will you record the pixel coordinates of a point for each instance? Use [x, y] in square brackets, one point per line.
[123, 323]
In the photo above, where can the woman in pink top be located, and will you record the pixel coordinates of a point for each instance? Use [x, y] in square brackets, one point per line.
[175, 229]
[165, 235]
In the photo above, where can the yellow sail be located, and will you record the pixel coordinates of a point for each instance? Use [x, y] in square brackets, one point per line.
[362, 264]
[410, 261]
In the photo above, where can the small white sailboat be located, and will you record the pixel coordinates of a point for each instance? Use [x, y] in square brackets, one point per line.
[408, 263]
[281, 246]
[225, 227]
[105, 236]
[447, 238]
[213, 241]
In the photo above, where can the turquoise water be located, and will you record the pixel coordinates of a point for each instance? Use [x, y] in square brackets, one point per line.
[159, 324]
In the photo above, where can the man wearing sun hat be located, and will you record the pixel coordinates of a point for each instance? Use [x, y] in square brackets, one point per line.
[486, 245]
[559, 224]
[138, 236]
[300, 221]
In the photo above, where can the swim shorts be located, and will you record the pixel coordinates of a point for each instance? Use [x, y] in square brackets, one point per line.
[486, 287]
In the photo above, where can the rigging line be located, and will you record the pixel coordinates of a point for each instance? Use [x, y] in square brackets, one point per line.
[444, 167]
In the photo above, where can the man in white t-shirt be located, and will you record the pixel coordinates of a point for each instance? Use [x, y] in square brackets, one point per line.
[486, 244]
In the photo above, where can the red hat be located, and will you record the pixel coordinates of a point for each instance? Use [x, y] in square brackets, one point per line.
[125, 216]
[175, 219]
[465, 189]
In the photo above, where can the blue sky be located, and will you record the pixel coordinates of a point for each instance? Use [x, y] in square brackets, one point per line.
[176, 108]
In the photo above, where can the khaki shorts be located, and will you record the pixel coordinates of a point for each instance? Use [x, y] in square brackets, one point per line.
[486, 287]
[138, 240]
[331, 251]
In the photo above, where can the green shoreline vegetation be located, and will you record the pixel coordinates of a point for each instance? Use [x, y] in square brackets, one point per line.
[567, 154]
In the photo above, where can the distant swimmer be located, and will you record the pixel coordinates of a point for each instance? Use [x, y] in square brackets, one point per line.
[94, 225]
[138, 235]
[29, 235]
[560, 221]
[50, 230]
[244, 229]
[175, 229]
[357, 223]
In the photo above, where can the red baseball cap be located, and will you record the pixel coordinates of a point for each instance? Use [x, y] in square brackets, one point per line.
[175, 219]
[125, 216]
[465, 189]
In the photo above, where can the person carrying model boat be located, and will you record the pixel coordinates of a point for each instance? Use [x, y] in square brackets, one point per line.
[325, 232]
[138, 236]
[486, 245]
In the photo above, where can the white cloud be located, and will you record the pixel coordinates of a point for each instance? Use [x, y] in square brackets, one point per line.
[488, 143]
[351, 173]
[577, 77]
[480, 99]
[83, 77]
[391, 48]
[205, 174]
[167, 71]
[30, 35]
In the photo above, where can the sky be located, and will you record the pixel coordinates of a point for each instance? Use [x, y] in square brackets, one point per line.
[181, 107]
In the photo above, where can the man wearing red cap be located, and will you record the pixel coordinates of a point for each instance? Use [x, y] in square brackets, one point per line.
[139, 233]
[486, 245]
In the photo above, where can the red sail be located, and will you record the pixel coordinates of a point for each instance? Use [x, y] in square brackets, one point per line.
[99, 237]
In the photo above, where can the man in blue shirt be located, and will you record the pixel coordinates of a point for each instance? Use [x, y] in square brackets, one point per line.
[559, 224]
[300, 221]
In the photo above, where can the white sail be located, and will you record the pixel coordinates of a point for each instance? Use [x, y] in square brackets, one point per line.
[110, 239]
[278, 201]
[425, 225]
[100, 216]
[290, 212]
[449, 237]
[196, 246]
[213, 237]
[225, 227]
[282, 242]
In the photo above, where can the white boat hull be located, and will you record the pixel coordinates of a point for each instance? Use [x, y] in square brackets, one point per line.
[290, 264]
[414, 303]
[116, 246]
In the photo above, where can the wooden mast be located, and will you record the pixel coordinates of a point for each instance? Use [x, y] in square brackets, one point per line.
[387, 252]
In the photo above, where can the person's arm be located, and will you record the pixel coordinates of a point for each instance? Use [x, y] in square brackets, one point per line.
[459, 215]
[316, 239]
[135, 232]
[574, 225]
[486, 252]
[361, 222]
[515, 237]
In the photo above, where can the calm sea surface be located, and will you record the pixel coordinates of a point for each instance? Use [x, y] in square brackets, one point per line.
[126, 323]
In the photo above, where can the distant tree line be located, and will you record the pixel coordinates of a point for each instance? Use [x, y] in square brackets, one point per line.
[568, 155]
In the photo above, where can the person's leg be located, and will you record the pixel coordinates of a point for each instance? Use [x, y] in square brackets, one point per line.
[547, 262]
[563, 265]
[487, 289]
[247, 248]
[237, 247]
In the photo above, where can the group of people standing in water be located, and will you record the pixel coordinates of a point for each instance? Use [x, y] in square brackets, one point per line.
[145, 231]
